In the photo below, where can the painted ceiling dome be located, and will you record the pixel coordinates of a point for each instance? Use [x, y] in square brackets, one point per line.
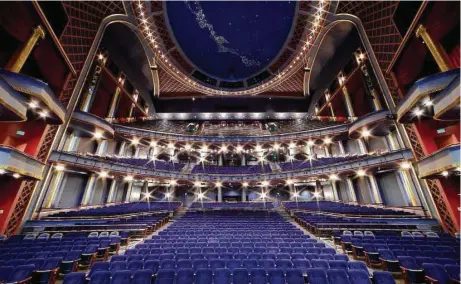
[243, 36]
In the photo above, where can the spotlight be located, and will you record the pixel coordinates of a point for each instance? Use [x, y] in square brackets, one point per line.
[445, 173]
[197, 183]
[239, 149]
[100, 56]
[171, 145]
[16, 175]
[258, 148]
[103, 174]
[333, 177]
[153, 143]
[295, 194]
[200, 195]
[245, 184]
[366, 133]
[223, 149]
[327, 140]
[292, 145]
[361, 173]
[458, 169]
[167, 195]
[202, 159]
[172, 182]
[261, 159]
[129, 178]
[289, 181]
[310, 143]
[147, 195]
[59, 168]
[405, 165]
[265, 183]
[97, 135]
[218, 184]
[33, 105]
[2, 171]
[135, 141]
[316, 194]
[418, 112]
[428, 103]
[276, 146]
[187, 147]
[263, 195]
[43, 113]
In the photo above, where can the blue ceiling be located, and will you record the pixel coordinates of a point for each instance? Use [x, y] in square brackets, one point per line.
[231, 40]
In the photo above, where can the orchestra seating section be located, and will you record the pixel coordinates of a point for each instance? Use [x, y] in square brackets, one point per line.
[232, 205]
[245, 170]
[234, 246]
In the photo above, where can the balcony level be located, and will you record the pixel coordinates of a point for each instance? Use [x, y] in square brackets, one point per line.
[12, 107]
[19, 165]
[420, 99]
[98, 164]
[89, 125]
[37, 96]
[440, 163]
[446, 105]
[373, 124]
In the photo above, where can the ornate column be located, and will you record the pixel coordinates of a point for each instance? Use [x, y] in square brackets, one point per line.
[327, 151]
[89, 190]
[219, 194]
[342, 151]
[128, 191]
[113, 190]
[17, 62]
[435, 48]
[330, 106]
[351, 190]
[54, 188]
[374, 189]
[407, 187]
[334, 189]
[121, 151]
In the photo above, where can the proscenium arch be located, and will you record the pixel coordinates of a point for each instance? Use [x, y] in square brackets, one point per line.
[39, 192]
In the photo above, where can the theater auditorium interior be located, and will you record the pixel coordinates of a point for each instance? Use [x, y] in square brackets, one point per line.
[230, 142]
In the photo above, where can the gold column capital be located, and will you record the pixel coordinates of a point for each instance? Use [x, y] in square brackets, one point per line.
[437, 51]
[20, 60]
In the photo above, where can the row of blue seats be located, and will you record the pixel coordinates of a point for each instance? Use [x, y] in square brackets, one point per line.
[154, 264]
[232, 243]
[415, 271]
[218, 250]
[265, 255]
[240, 276]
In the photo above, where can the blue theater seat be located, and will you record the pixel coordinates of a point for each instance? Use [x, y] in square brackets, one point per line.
[5, 273]
[203, 276]
[258, 276]
[383, 277]
[222, 276]
[410, 269]
[21, 273]
[185, 275]
[436, 273]
[74, 278]
[165, 276]
[358, 276]
[100, 277]
[338, 276]
[135, 265]
[453, 271]
[317, 276]
[142, 276]
[240, 275]
[121, 277]
[294, 276]
[276, 276]
[98, 266]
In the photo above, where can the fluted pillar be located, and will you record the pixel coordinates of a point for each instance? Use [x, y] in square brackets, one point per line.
[351, 190]
[334, 189]
[128, 191]
[113, 190]
[89, 190]
[407, 187]
[54, 188]
[374, 189]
